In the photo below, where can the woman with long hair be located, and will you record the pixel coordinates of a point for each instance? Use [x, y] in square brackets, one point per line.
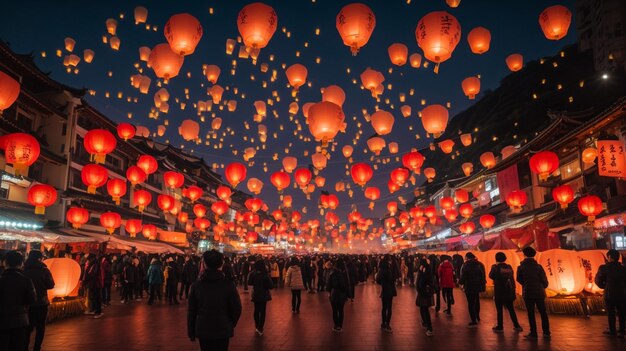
[261, 284]
[338, 287]
[293, 280]
[425, 291]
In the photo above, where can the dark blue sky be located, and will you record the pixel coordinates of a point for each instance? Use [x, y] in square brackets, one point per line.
[42, 26]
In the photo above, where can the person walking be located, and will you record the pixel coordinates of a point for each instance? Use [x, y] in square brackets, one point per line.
[434, 268]
[261, 285]
[385, 279]
[425, 291]
[275, 272]
[293, 280]
[214, 306]
[338, 286]
[128, 277]
[17, 294]
[93, 281]
[612, 278]
[189, 276]
[446, 283]
[107, 280]
[155, 278]
[532, 277]
[503, 292]
[474, 282]
[42, 280]
[171, 283]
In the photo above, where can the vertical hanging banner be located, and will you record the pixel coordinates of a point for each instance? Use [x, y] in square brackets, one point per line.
[611, 158]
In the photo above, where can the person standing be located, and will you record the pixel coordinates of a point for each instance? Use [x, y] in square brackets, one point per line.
[17, 294]
[171, 284]
[261, 286]
[42, 280]
[612, 278]
[189, 276]
[338, 286]
[385, 279]
[107, 280]
[446, 283]
[503, 292]
[93, 282]
[155, 280]
[214, 306]
[128, 277]
[425, 292]
[532, 277]
[275, 272]
[293, 280]
[474, 282]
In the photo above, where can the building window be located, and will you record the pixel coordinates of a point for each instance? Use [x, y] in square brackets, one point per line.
[114, 162]
[570, 169]
[24, 121]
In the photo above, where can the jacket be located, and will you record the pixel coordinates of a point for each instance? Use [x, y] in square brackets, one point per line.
[214, 307]
[17, 293]
[173, 276]
[503, 282]
[293, 278]
[129, 273]
[261, 286]
[424, 287]
[338, 285]
[106, 272]
[533, 279]
[190, 272]
[93, 278]
[384, 278]
[612, 278]
[446, 275]
[41, 278]
[155, 274]
[473, 277]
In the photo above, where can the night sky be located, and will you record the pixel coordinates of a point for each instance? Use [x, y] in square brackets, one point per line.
[36, 26]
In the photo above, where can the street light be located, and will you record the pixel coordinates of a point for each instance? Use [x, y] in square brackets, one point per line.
[605, 76]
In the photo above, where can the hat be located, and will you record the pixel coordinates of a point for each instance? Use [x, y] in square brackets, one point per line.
[500, 257]
[469, 256]
[529, 252]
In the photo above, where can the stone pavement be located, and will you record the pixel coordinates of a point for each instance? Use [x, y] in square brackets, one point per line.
[161, 327]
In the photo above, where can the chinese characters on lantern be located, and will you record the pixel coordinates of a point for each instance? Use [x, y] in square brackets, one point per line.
[611, 158]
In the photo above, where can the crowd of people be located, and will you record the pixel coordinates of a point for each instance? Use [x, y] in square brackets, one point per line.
[211, 284]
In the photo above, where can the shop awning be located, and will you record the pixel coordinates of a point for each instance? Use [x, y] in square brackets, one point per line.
[116, 242]
[473, 240]
[40, 236]
[454, 239]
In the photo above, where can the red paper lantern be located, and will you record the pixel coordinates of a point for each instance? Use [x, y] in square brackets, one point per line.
[487, 221]
[42, 196]
[413, 161]
[165, 202]
[94, 176]
[150, 231]
[9, 91]
[173, 180]
[392, 186]
[110, 221]
[435, 119]
[466, 210]
[165, 62]
[416, 212]
[451, 214]
[257, 23]
[126, 131]
[361, 173]
[516, 199]
[325, 120]
[467, 227]
[280, 180]
[135, 175]
[148, 164]
[193, 193]
[219, 208]
[199, 210]
[590, 206]
[77, 216]
[515, 62]
[142, 199]
[400, 175]
[461, 195]
[133, 226]
[254, 204]
[235, 173]
[98, 143]
[544, 163]
[223, 192]
[116, 189]
[333, 201]
[202, 224]
[183, 32]
[438, 34]
[302, 177]
[563, 194]
[372, 193]
[183, 217]
[20, 150]
[296, 75]
[446, 202]
[392, 207]
[355, 24]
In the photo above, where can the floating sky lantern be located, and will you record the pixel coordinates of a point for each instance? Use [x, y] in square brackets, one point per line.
[446, 146]
[435, 119]
[555, 21]
[438, 34]
[257, 23]
[189, 130]
[471, 87]
[400, 175]
[398, 53]
[515, 62]
[326, 119]
[347, 151]
[382, 121]
[361, 173]
[280, 180]
[296, 74]
[355, 24]
[255, 185]
[467, 168]
[479, 40]
[183, 32]
[487, 159]
[235, 173]
[334, 94]
[302, 177]
[376, 144]
[430, 174]
[413, 160]
[212, 73]
[461, 196]
[165, 62]
[371, 80]
[289, 163]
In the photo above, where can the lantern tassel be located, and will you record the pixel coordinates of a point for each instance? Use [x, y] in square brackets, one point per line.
[91, 189]
[436, 70]
[19, 169]
[40, 210]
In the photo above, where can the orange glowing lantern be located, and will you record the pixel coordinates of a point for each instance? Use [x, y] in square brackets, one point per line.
[125, 131]
[372, 193]
[173, 180]
[334, 94]
[290, 163]
[416, 212]
[257, 23]
[487, 221]
[255, 185]
[446, 146]
[21, 150]
[371, 80]
[544, 163]
[254, 204]
[451, 214]
[555, 21]
[589, 155]
[183, 32]
[376, 144]
[135, 175]
[467, 168]
[280, 180]
[333, 201]
[471, 87]
[320, 181]
[507, 151]
[212, 73]
[133, 226]
[116, 189]
[302, 177]
[438, 34]
[355, 24]
[435, 119]
[467, 228]
[446, 202]
[149, 231]
[42, 196]
[296, 74]
[398, 54]
[361, 173]
[165, 62]
[516, 199]
[515, 62]
[347, 151]
[392, 186]
[590, 206]
[110, 221]
[466, 210]
[193, 193]
[94, 176]
[466, 139]
[66, 275]
[382, 121]
[183, 217]
[201, 224]
[430, 174]
[413, 160]
[77, 216]
[400, 175]
[199, 210]
[142, 199]
[287, 201]
[219, 208]
[148, 164]
[479, 40]
[488, 160]
[563, 194]
[223, 192]
[319, 160]
[393, 147]
[461, 196]
[9, 91]
[98, 143]
[326, 119]
[392, 207]
[165, 202]
[569, 277]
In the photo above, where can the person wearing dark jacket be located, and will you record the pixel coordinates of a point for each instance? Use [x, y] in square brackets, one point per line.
[171, 283]
[17, 293]
[92, 280]
[42, 280]
[351, 268]
[503, 291]
[189, 276]
[612, 278]
[156, 279]
[128, 276]
[532, 277]
[338, 286]
[434, 268]
[446, 283]
[107, 280]
[425, 291]
[261, 283]
[474, 282]
[214, 306]
[385, 279]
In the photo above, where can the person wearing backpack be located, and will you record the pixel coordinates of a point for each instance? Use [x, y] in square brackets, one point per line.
[425, 292]
[385, 279]
[503, 291]
[534, 282]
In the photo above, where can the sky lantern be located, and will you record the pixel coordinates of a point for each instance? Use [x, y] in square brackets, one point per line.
[405, 110]
[296, 74]
[77, 216]
[110, 221]
[392, 207]
[372, 193]
[515, 62]
[446, 146]
[326, 119]
[142, 199]
[216, 124]
[255, 185]
[416, 212]
[257, 23]
[398, 54]
[413, 160]
[280, 180]
[487, 221]
[254, 204]
[563, 194]
[347, 151]
[125, 131]
[382, 121]
[219, 208]
[590, 206]
[333, 201]
[393, 147]
[302, 177]
[334, 94]
[446, 202]
[183, 32]
[320, 181]
[319, 160]
[166, 202]
[355, 24]
[98, 143]
[488, 160]
[589, 155]
[42, 196]
[216, 93]
[189, 130]
[223, 193]
[438, 34]
[430, 174]
[371, 80]
[199, 210]
[415, 60]
[94, 176]
[467, 168]
[144, 53]
[135, 175]
[111, 25]
[141, 14]
[555, 21]
[507, 151]
[290, 163]
[133, 226]
[544, 163]
[117, 189]
[466, 210]
[287, 201]
[361, 173]
[21, 150]
[165, 62]
[212, 73]
[235, 173]
[467, 228]
[193, 193]
[400, 175]
[9, 91]
[516, 199]
[392, 186]
[479, 39]
[148, 164]
[435, 119]
[466, 139]
[376, 144]
[471, 87]
[173, 180]
[461, 195]
[183, 217]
